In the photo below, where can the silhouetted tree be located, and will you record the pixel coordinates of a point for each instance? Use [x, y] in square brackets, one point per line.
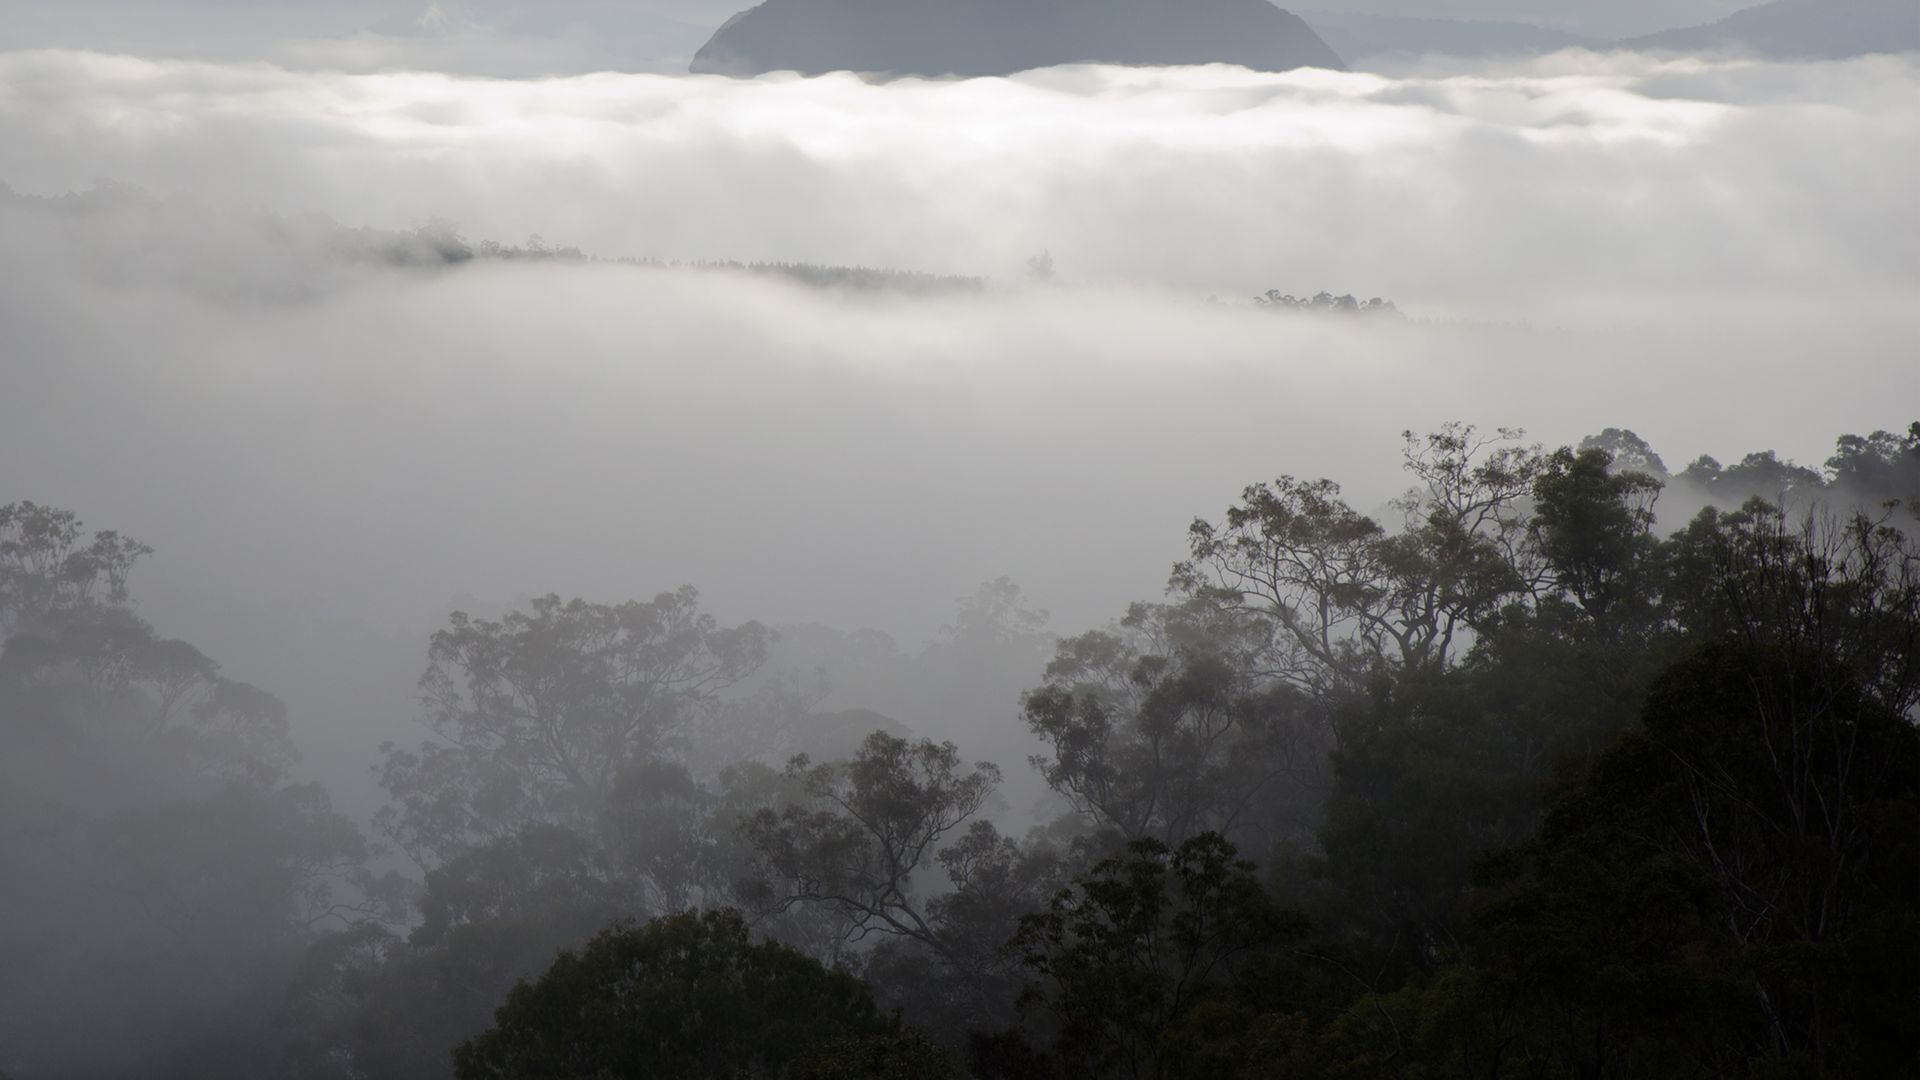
[1123, 955]
[685, 997]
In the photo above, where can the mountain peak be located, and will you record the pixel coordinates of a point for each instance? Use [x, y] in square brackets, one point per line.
[999, 37]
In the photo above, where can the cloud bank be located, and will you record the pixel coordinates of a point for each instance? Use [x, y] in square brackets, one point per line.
[1720, 255]
[1556, 190]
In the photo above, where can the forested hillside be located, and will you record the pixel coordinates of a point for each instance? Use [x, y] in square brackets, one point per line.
[1531, 777]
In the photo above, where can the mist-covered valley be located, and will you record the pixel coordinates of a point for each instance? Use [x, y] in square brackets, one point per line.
[504, 478]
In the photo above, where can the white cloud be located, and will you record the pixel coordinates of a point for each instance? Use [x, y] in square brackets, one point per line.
[1721, 255]
[1531, 193]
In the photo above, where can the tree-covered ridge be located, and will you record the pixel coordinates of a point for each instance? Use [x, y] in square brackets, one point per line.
[437, 243]
[1864, 470]
[440, 243]
[1323, 301]
[1517, 779]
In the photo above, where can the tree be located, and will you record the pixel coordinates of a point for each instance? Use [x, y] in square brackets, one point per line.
[996, 614]
[487, 919]
[1122, 956]
[147, 828]
[1217, 711]
[1295, 554]
[862, 842]
[1346, 598]
[658, 834]
[1593, 525]
[539, 713]
[1846, 590]
[1164, 727]
[685, 997]
[1600, 952]
[1627, 452]
[901, 1055]
[1731, 889]
[155, 712]
[1877, 468]
[1864, 471]
[1788, 785]
[1756, 476]
[44, 566]
[1323, 301]
[1560, 671]
[870, 825]
[1788, 748]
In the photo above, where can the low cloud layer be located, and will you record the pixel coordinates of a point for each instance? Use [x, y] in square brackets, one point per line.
[1720, 255]
[1574, 189]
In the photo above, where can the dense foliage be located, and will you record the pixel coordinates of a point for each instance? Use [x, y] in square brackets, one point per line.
[683, 998]
[1523, 778]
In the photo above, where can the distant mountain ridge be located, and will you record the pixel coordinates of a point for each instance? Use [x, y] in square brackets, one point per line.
[1358, 37]
[1801, 30]
[1781, 29]
[1000, 37]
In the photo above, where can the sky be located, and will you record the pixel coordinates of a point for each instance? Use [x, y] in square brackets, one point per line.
[1720, 254]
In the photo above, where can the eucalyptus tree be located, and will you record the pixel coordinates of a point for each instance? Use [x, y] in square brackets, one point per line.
[537, 715]
[869, 840]
[1163, 726]
[1346, 596]
[149, 829]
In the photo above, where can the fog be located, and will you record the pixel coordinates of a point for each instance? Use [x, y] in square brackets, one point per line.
[1574, 191]
[329, 452]
[1579, 242]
